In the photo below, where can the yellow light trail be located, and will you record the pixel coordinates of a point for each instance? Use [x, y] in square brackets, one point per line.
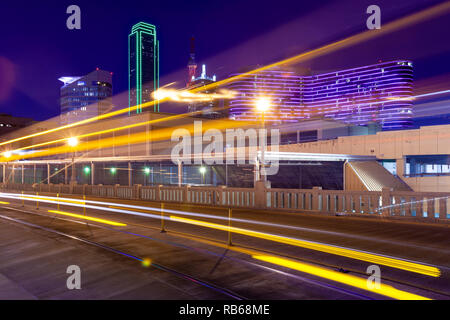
[349, 253]
[134, 125]
[321, 272]
[357, 282]
[79, 216]
[423, 15]
[134, 138]
[78, 123]
[4, 202]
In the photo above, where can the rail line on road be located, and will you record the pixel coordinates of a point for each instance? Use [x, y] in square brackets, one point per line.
[228, 292]
[256, 254]
[82, 203]
[224, 291]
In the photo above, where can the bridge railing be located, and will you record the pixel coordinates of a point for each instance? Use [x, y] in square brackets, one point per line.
[425, 205]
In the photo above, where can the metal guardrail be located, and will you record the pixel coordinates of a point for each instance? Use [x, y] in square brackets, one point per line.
[430, 205]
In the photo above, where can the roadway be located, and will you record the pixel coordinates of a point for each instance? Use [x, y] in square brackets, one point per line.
[243, 271]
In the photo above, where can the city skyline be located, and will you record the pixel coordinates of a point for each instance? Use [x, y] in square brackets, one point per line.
[173, 62]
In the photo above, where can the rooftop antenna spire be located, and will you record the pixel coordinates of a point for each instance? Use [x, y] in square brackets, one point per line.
[192, 65]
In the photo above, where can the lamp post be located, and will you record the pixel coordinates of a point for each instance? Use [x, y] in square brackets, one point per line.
[262, 105]
[6, 154]
[73, 142]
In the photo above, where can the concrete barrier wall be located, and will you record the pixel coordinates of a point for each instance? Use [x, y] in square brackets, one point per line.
[431, 206]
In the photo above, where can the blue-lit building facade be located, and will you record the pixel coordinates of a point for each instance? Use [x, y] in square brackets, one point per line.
[379, 93]
[86, 96]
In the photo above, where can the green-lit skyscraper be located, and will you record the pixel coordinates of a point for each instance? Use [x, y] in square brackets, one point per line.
[143, 65]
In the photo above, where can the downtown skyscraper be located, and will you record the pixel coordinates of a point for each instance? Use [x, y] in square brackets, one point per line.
[143, 65]
[86, 96]
[379, 93]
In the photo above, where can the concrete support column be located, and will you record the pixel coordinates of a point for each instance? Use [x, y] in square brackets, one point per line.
[158, 193]
[34, 173]
[23, 177]
[13, 173]
[73, 179]
[48, 173]
[386, 201]
[256, 171]
[180, 173]
[315, 199]
[129, 174]
[137, 191]
[92, 173]
[4, 173]
[400, 167]
[66, 177]
[443, 208]
[261, 194]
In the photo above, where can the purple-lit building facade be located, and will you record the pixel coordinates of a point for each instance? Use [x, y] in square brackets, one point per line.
[283, 88]
[379, 93]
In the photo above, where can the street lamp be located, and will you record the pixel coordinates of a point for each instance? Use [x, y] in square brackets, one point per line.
[146, 173]
[7, 154]
[73, 142]
[262, 104]
[202, 171]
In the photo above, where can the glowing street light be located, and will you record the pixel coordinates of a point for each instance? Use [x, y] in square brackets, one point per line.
[202, 170]
[113, 170]
[87, 170]
[7, 154]
[262, 104]
[147, 170]
[72, 142]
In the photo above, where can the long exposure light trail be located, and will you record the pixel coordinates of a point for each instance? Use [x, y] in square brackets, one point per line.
[321, 272]
[134, 138]
[130, 126]
[345, 252]
[341, 251]
[357, 282]
[89, 218]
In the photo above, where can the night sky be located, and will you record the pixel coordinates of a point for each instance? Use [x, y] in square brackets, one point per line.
[36, 48]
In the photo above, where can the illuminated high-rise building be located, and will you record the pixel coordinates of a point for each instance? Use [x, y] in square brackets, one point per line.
[280, 86]
[379, 93]
[86, 97]
[143, 66]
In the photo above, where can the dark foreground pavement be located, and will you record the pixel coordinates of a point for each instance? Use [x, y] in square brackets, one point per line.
[33, 262]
